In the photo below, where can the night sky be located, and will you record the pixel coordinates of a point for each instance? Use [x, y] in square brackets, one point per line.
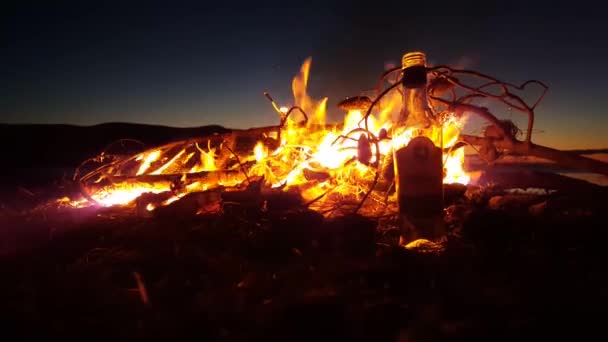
[86, 62]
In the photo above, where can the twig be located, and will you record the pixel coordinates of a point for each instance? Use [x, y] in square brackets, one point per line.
[354, 130]
[285, 116]
[374, 182]
[481, 111]
[388, 191]
[505, 97]
[284, 120]
[238, 160]
[378, 98]
[309, 203]
[383, 77]
[274, 104]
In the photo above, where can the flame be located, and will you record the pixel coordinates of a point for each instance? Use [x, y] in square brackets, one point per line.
[260, 152]
[168, 164]
[303, 100]
[79, 203]
[207, 159]
[320, 160]
[124, 194]
[148, 158]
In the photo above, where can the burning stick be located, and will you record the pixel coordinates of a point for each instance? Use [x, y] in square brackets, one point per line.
[284, 115]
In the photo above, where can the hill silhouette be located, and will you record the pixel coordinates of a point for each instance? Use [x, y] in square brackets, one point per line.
[40, 151]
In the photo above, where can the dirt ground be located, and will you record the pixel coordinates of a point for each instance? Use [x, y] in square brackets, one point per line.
[515, 265]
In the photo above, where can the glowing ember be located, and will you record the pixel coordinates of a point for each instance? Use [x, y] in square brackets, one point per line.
[80, 203]
[423, 245]
[147, 160]
[319, 159]
[123, 195]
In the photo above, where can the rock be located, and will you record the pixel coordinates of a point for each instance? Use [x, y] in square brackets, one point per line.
[496, 202]
[538, 208]
[453, 192]
[475, 194]
[513, 201]
[315, 175]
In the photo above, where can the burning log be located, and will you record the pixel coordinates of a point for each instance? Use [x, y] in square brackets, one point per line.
[217, 176]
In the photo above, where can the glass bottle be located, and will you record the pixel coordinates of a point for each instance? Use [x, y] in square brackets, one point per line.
[418, 162]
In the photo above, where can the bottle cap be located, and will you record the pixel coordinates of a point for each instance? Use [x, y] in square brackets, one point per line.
[413, 65]
[412, 59]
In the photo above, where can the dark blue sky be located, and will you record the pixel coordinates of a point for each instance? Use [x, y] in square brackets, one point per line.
[192, 64]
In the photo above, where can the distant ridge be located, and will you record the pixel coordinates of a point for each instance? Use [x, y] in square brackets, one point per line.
[116, 124]
[589, 151]
[37, 149]
[578, 151]
[61, 145]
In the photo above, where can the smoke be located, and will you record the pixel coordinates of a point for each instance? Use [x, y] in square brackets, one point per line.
[389, 65]
[468, 61]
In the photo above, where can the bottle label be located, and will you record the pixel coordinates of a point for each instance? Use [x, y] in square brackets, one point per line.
[419, 178]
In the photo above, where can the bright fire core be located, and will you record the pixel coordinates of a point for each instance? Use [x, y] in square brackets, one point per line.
[317, 159]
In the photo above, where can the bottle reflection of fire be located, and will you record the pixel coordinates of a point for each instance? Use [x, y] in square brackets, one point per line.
[418, 161]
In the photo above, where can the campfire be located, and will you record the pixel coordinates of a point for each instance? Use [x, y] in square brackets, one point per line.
[353, 166]
[367, 228]
[335, 167]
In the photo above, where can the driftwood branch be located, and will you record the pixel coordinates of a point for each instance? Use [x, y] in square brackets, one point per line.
[567, 159]
[500, 136]
[505, 96]
[461, 108]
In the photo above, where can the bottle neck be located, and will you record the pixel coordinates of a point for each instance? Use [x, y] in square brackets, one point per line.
[415, 108]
